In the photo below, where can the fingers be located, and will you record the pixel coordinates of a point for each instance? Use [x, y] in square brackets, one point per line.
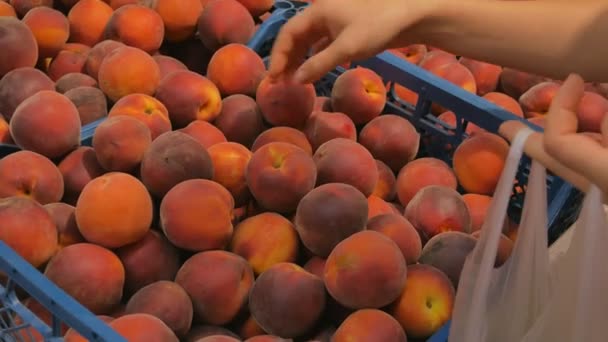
[509, 129]
[337, 52]
[562, 112]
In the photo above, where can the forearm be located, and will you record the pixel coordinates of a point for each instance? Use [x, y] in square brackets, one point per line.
[549, 38]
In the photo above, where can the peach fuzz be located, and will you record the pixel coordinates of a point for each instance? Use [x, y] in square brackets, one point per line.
[91, 274]
[51, 29]
[97, 54]
[486, 75]
[20, 84]
[64, 217]
[74, 80]
[536, 100]
[71, 58]
[448, 252]
[236, 69]
[47, 123]
[29, 174]
[229, 166]
[322, 127]
[204, 132]
[20, 47]
[139, 271]
[218, 283]
[401, 231]
[378, 206]
[143, 327]
[365, 270]
[90, 102]
[279, 165]
[120, 143]
[505, 247]
[478, 162]
[210, 203]
[240, 119]
[287, 301]
[360, 94]
[189, 96]
[478, 208]
[426, 302]
[168, 64]
[146, 109]
[114, 210]
[141, 76]
[342, 160]
[386, 187]
[180, 18]
[28, 229]
[369, 325]
[282, 134]
[284, 103]
[515, 83]
[136, 25]
[6, 10]
[256, 7]
[223, 22]
[78, 168]
[413, 53]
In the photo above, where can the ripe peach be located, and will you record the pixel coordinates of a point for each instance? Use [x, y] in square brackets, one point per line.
[78, 168]
[20, 84]
[143, 327]
[218, 283]
[402, 232]
[229, 166]
[426, 302]
[22, 7]
[29, 174]
[120, 143]
[369, 325]
[413, 53]
[360, 94]
[437, 58]
[174, 157]
[64, 217]
[506, 102]
[249, 328]
[27, 228]
[322, 103]
[282, 134]
[136, 25]
[236, 69]
[74, 80]
[420, 173]
[115, 4]
[478, 162]
[486, 75]
[20, 47]
[180, 18]
[168, 64]
[478, 208]
[322, 127]
[457, 74]
[146, 109]
[280, 243]
[591, 112]
[189, 96]
[71, 58]
[505, 247]
[141, 76]
[378, 206]
[279, 165]
[365, 270]
[386, 186]
[284, 103]
[240, 119]
[47, 123]
[204, 132]
[90, 102]
[342, 160]
[73, 336]
[515, 83]
[316, 266]
[6, 10]
[223, 22]
[50, 28]
[97, 54]
[536, 100]
[91, 274]
[286, 300]
[208, 202]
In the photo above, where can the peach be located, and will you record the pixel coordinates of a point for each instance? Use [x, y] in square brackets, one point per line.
[240, 119]
[137, 257]
[402, 232]
[140, 76]
[365, 270]
[201, 331]
[64, 217]
[591, 112]
[114, 210]
[223, 22]
[5, 133]
[478, 208]
[6, 10]
[20, 47]
[174, 157]
[229, 166]
[437, 58]
[50, 28]
[218, 283]
[322, 127]
[285, 103]
[115, 4]
[73, 336]
[71, 58]
[405, 94]
[236, 69]
[448, 252]
[91, 274]
[360, 94]
[426, 302]
[456, 74]
[146, 109]
[257, 7]
[478, 162]
[506, 102]
[515, 83]
[90, 102]
[143, 327]
[20, 84]
[180, 18]
[74, 80]
[136, 25]
[28, 229]
[279, 165]
[322, 103]
[316, 266]
[421, 173]
[368, 325]
[29, 174]
[391, 139]
[282, 134]
[505, 247]
[286, 300]
[165, 300]
[205, 133]
[250, 328]
[280, 242]
[486, 74]
[22, 7]
[386, 187]
[378, 206]
[78, 168]
[536, 100]
[168, 64]
[97, 54]
[208, 202]
[189, 96]
[120, 143]
[342, 160]
[413, 53]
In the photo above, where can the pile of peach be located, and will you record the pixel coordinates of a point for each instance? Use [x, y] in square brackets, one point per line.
[217, 205]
